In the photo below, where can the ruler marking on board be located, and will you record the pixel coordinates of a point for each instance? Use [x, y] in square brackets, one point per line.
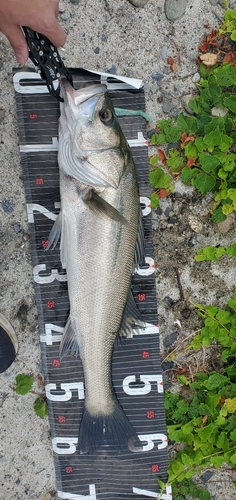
[136, 366]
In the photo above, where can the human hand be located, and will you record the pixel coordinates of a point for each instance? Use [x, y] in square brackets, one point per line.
[39, 15]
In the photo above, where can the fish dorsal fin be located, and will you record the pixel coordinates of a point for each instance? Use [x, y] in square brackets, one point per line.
[64, 242]
[139, 254]
[132, 318]
[99, 206]
[69, 342]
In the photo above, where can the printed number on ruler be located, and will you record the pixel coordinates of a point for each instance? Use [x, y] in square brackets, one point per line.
[29, 89]
[47, 279]
[67, 388]
[145, 205]
[151, 439]
[144, 389]
[67, 445]
[146, 271]
[49, 338]
[35, 207]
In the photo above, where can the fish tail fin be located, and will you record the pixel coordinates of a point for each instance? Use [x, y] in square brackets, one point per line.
[113, 430]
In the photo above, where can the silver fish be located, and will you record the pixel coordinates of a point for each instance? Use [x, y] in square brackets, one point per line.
[101, 242]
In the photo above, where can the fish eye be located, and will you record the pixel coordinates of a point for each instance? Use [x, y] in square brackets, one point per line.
[106, 116]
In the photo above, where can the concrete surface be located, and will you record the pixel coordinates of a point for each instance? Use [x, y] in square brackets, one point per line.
[103, 35]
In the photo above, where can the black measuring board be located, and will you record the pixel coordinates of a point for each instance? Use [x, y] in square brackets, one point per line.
[136, 364]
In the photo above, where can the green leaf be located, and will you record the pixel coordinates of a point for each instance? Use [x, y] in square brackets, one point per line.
[219, 252]
[233, 459]
[40, 407]
[183, 379]
[158, 178]
[190, 473]
[204, 183]
[233, 435]
[174, 134]
[217, 461]
[227, 208]
[188, 174]
[24, 383]
[158, 139]
[208, 163]
[225, 75]
[218, 215]
[207, 253]
[231, 250]
[223, 316]
[155, 202]
[222, 442]
[175, 161]
[211, 311]
[187, 124]
[191, 150]
[232, 303]
[230, 103]
[217, 122]
[215, 91]
[153, 160]
[215, 381]
[200, 144]
[186, 459]
[187, 428]
[204, 495]
[230, 405]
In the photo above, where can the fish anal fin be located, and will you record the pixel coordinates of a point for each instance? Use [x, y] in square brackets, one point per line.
[132, 321]
[69, 343]
[99, 206]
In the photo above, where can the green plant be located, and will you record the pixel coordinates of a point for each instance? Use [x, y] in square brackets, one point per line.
[219, 325]
[24, 385]
[215, 253]
[205, 154]
[159, 180]
[204, 421]
[229, 25]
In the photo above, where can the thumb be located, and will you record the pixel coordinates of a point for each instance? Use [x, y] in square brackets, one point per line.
[18, 43]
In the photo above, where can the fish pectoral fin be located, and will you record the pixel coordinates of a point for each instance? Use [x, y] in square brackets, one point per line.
[55, 233]
[132, 321]
[69, 342]
[100, 206]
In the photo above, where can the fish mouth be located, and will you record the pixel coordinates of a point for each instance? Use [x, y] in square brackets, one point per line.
[81, 95]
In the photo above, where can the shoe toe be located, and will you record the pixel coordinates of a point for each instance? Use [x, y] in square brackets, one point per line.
[7, 350]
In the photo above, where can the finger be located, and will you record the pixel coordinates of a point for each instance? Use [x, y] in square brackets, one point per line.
[18, 43]
[55, 33]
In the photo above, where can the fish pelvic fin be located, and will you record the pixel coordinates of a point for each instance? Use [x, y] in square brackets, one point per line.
[69, 343]
[99, 206]
[59, 231]
[114, 431]
[55, 232]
